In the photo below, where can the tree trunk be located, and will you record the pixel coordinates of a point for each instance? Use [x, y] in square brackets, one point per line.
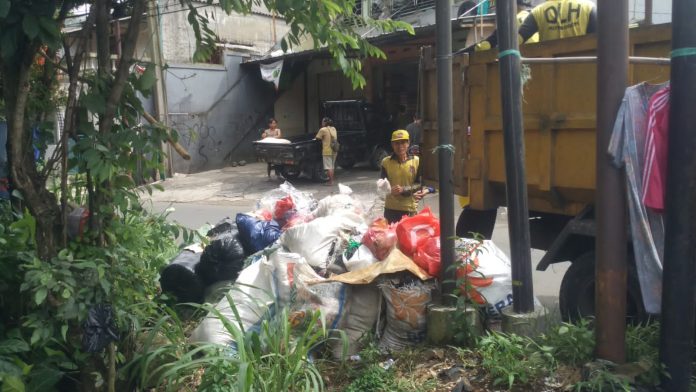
[41, 203]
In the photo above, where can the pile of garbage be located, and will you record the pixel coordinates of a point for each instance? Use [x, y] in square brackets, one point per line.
[331, 255]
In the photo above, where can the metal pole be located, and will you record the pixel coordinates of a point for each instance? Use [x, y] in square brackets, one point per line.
[516, 177]
[159, 88]
[443, 10]
[679, 274]
[610, 209]
[648, 12]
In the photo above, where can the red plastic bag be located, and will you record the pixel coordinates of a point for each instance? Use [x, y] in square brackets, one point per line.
[380, 238]
[413, 231]
[282, 206]
[427, 256]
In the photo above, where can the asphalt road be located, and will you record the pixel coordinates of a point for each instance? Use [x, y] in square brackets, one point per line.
[207, 197]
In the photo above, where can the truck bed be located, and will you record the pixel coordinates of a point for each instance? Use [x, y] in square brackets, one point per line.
[559, 106]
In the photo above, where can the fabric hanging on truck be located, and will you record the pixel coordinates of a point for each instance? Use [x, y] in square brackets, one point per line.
[627, 147]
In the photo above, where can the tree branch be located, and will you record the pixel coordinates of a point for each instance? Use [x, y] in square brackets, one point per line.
[106, 120]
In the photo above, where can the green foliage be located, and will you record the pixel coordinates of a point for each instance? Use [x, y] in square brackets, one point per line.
[642, 346]
[515, 360]
[573, 344]
[602, 379]
[466, 333]
[40, 340]
[328, 24]
[276, 357]
[374, 379]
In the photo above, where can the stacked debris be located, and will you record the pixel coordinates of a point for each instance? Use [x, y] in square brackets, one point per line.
[333, 256]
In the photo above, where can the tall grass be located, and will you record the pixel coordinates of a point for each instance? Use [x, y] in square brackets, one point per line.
[274, 357]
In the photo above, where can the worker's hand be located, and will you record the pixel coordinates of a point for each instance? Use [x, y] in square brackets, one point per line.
[483, 45]
[396, 190]
[419, 195]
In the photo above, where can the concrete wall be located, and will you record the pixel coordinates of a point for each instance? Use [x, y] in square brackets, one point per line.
[217, 111]
[254, 30]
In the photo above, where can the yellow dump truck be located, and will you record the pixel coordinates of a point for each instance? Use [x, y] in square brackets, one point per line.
[559, 105]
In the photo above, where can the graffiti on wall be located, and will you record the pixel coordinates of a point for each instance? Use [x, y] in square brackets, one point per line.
[212, 143]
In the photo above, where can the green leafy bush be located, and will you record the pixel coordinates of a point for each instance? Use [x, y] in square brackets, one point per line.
[40, 337]
[572, 344]
[515, 360]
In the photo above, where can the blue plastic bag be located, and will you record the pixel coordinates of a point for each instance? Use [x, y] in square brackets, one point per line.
[256, 234]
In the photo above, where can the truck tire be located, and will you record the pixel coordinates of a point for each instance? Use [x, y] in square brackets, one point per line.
[376, 158]
[347, 165]
[290, 172]
[577, 294]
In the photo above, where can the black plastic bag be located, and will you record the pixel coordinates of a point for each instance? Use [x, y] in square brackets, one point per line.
[225, 225]
[180, 279]
[99, 329]
[222, 259]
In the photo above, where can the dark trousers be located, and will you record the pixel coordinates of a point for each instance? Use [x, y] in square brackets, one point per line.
[393, 216]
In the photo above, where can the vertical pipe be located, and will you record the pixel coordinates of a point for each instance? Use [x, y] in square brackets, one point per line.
[443, 10]
[648, 12]
[610, 211]
[516, 178]
[159, 88]
[679, 273]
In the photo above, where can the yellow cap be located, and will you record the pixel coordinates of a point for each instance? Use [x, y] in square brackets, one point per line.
[399, 134]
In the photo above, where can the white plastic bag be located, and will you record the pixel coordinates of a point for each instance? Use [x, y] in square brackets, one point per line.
[304, 202]
[315, 240]
[362, 258]
[327, 297]
[282, 265]
[490, 273]
[331, 205]
[252, 296]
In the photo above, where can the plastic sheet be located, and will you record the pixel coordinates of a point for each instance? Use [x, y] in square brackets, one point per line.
[180, 279]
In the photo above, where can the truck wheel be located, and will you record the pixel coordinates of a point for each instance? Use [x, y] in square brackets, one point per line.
[347, 165]
[290, 172]
[377, 156]
[577, 294]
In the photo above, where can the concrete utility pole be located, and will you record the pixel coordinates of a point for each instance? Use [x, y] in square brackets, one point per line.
[610, 208]
[159, 91]
[676, 334]
[445, 123]
[515, 173]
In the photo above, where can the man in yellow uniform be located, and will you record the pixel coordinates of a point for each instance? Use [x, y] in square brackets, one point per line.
[492, 40]
[557, 19]
[404, 174]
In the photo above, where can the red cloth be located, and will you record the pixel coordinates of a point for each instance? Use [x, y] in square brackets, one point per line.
[655, 163]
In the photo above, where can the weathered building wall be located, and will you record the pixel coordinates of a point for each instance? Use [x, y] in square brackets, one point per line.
[217, 111]
[255, 30]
